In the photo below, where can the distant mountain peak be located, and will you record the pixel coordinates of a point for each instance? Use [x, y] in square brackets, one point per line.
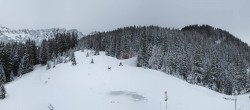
[21, 35]
[2, 28]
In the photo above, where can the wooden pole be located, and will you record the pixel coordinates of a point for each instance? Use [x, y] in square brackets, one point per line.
[166, 105]
[166, 99]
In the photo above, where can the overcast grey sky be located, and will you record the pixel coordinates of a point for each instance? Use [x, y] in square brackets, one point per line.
[102, 15]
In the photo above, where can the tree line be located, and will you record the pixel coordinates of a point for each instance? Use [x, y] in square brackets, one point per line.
[199, 54]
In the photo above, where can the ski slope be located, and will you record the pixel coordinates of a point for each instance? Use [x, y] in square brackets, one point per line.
[93, 87]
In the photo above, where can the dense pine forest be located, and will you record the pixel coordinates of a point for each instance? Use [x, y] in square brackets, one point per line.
[199, 54]
[17, 59]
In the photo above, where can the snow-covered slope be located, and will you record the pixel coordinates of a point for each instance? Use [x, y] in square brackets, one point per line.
[8, 35]
[93, 87]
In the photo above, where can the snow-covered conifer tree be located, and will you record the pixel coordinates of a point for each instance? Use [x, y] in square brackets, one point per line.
[2, 91]
[87, 55]
[73, 59]
[2, 75]
[48, 65]
[2, 81]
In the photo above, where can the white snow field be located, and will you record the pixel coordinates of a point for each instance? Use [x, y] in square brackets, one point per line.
[93, 87]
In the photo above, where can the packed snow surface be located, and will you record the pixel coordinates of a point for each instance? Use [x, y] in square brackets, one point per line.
[89, 86]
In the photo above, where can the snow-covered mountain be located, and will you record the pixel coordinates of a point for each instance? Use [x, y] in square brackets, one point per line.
[87, 86]
[9, 35]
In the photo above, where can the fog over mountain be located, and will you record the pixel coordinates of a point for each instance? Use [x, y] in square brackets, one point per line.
[103, 15]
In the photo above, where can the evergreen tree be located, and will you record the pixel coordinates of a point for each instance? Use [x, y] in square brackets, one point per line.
[240, 77]
[48, 65]
[21, 69]
[142, 59]
[11, 76]
[26, 66]
[97, 52]
[5, 59]
[87, 55]
[155, 60]
[16, 63]
[54, 60]
[2, 75]
[59, 59]
[2, 91]
[43, 53]
[2, 81]
[73, 59]
[54, 63]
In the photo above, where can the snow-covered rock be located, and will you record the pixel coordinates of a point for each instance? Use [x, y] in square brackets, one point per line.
[218, 41]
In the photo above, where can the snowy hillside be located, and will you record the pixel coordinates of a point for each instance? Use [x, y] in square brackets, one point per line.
[7, 35]
[93, 87]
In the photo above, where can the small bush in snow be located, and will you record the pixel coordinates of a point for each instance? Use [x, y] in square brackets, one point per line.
[87, 55]
[92, 61]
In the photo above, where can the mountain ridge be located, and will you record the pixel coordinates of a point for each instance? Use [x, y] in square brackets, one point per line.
[21, 35]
